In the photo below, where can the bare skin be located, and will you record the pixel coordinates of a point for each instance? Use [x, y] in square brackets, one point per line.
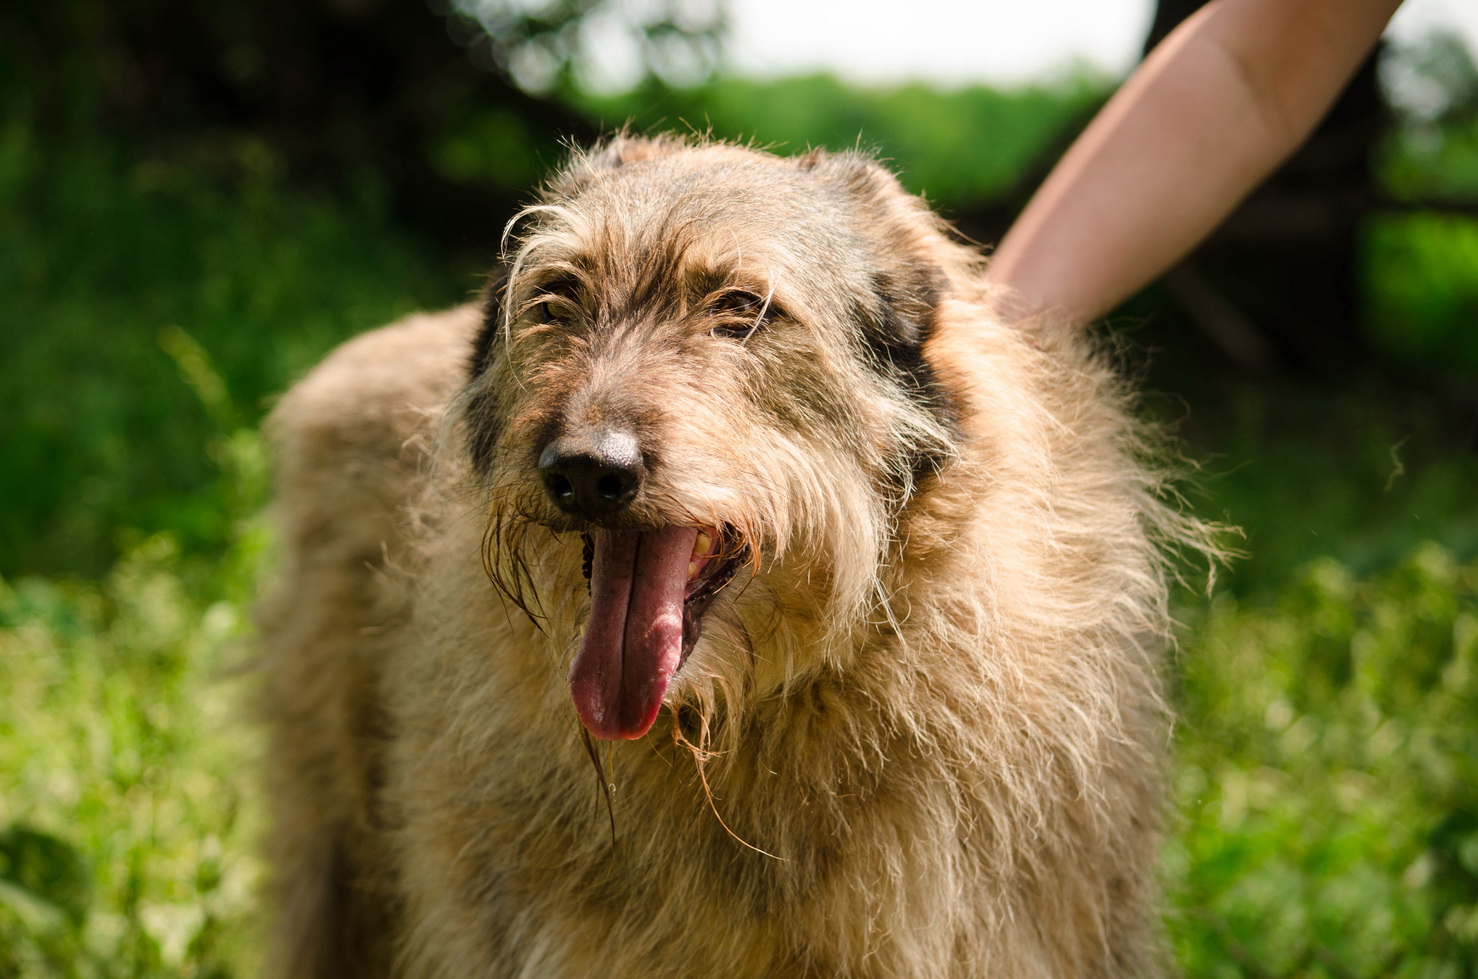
[1223, 100]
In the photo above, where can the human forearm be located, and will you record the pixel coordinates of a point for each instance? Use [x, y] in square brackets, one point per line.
[1213, 109]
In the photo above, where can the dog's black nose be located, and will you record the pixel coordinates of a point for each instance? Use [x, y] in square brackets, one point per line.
[592, 473]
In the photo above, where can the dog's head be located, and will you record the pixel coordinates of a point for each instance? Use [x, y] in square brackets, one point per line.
[702, 387]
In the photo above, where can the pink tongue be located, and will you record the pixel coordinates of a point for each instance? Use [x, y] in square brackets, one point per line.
[633, 644]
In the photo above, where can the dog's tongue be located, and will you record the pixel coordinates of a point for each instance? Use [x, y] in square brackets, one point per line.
[633, 644]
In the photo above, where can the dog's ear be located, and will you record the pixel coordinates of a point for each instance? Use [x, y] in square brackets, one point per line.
[900, 226]
[899, 231]
[895, 327]
[907, 283]
[481, 406]
[857, 172]
[490, 336]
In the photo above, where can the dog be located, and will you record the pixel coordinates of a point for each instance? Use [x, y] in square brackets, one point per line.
[731, 594]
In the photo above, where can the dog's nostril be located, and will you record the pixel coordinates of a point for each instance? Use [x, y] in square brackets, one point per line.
[558, 486]
[611, 486]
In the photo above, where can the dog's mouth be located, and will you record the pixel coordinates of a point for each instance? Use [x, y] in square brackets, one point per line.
[648, 592]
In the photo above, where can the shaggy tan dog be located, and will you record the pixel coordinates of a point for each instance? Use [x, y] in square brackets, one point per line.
[732, 596]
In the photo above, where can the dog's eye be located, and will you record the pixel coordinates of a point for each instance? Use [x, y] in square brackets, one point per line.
[738, 315]
[550, 313]
[554, 302]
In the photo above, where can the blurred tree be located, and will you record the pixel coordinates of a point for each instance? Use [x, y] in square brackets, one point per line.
[1433, 80]
[342, 88]
[546, 44]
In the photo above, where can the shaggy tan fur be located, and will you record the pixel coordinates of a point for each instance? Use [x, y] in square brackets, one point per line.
[921, 734]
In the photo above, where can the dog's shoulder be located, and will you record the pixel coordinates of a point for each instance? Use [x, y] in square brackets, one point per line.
[351, 441]
[378, 389]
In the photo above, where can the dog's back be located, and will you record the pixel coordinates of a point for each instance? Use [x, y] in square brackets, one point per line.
[919, 736]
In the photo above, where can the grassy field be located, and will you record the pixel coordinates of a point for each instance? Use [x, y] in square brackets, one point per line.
[1327, 756]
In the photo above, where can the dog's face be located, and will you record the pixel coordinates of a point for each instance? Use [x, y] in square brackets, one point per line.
[702, 392]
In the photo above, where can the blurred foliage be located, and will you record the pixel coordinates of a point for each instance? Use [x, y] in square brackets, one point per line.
[1421, 282]
[127, 797]
[129, 803]
[161, 288]
[1421, 263]
[1437, 162]
[104, 259]
[1360, 475]
[550, 46]
[1328, 777]
[1432, 79]
[958, 148]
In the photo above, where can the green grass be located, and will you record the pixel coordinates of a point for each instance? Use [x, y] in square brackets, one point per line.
[1328, 776]
[130, 807]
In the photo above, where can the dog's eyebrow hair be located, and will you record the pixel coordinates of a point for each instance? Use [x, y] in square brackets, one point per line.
[555, 277]
[531, 211]
[764, 311]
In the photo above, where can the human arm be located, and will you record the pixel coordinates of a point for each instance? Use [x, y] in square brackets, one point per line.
[1224, 99]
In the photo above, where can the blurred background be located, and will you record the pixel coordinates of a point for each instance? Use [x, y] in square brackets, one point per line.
[198, 200]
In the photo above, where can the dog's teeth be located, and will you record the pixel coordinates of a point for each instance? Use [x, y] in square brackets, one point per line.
[692, 570]
[701, 545]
